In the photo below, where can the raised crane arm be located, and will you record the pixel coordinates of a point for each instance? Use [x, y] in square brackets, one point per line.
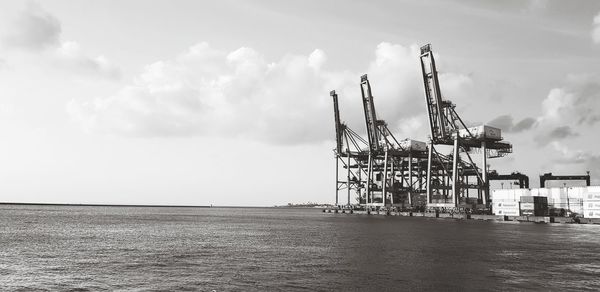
[438, 123]
[370, 116]
[339, 126]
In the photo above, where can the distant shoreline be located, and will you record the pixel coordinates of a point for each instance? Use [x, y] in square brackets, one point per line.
[125, 205]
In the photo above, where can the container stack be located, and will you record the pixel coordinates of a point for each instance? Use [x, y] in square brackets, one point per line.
[506, 201]
[591, 203]
[466, 202]
[582, 201]
[563, 201]
[533, 206]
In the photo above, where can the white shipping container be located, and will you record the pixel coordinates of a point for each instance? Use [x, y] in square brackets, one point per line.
[507, 212]
[577, 192]
[557, 192]
[591, 213]
[543, 192]
[527, 206]
[593, 189]
[506, 205]
[505, 201]
[592, 196]
[509, 194]
[591, 205]
[481, 132]
[415, 145]
[522, 192]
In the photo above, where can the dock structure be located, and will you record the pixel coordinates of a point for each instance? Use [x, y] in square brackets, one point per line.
[549, 177]
[463, 180]
[384, 172]
[351, 158]
[519, 178]
[395, 169]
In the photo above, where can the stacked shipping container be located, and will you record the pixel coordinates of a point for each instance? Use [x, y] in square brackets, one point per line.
[591, 203]
[506, 202]
[584, 201]
[533, 206]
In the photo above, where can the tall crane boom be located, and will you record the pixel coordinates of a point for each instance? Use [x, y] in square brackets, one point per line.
[439, 125]
[370, 116]
[339, 127]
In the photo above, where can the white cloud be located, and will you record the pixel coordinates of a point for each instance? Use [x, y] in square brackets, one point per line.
[536, 6]
[596, 29]
[576, 105]
[70, 56]
[206, 91]
[576, 159]
[37, 31]
[34, 29]
[508, 125]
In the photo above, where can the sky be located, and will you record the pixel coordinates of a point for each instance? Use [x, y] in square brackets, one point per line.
[227, 102]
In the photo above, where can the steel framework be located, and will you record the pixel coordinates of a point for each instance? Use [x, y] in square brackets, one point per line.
[381, 170]
[395, 169]
[456, 175]
[350, 157]
[522, 179]
[549, 176]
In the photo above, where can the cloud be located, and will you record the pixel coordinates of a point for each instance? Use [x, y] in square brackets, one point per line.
[37, 31]
[524, 124]
[70, 56]
[596, 29]
[206, 91]
[536, 6]
[574, 105]
[506, 124]
[584, 161]
[556, 134]
[34, 29]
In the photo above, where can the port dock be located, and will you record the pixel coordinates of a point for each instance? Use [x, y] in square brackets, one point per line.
[447, 176]
[464, 216]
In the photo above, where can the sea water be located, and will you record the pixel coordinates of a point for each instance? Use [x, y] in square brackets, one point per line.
[85, 248]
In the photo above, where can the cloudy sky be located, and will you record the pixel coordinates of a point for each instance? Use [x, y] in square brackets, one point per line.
[227, 102]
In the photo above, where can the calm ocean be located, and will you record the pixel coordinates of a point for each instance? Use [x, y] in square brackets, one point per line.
[79, 248]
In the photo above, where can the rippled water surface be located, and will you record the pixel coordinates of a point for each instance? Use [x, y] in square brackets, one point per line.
[240, 249]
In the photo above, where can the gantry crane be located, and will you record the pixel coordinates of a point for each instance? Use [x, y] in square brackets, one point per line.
[448, 175]
[351, 154]
[394, 168]
[549, 177]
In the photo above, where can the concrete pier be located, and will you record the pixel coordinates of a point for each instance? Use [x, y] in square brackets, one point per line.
[463, 216]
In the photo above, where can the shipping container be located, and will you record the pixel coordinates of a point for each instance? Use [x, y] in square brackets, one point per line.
[577, 192]
[507, 204]
[593, 189]
[414, 145]
[592, 196]
[509, 194]
[507, 212]
[481, 132]
[591, 213]
[527, 206]
[532, 199]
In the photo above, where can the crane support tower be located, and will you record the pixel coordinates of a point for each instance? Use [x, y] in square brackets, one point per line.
[351, 157]
[395, 169]
[451, 179]
[548, 176]
[522, 179]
